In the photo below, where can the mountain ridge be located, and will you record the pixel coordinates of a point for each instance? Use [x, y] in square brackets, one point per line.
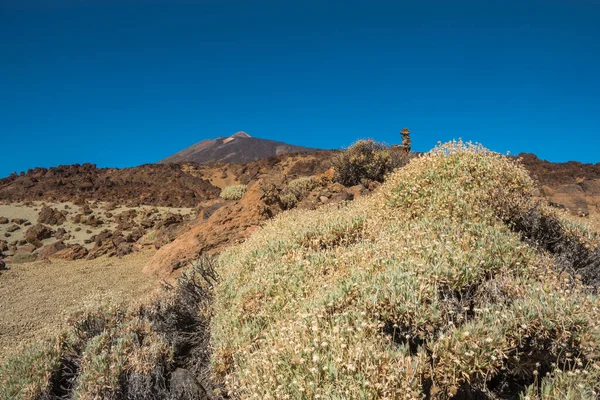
[239, 147]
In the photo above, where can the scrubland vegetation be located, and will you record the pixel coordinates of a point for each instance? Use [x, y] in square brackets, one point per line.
[233, 192]
[452, 281]
[426, 289]
[368, 160]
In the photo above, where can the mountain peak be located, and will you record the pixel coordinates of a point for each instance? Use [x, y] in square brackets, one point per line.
[240, 134]
[230, 149]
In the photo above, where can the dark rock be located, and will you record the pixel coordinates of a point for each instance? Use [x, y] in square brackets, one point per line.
[134, 236]
[170, 219]
[51, 216]
[13, 228]
[6, 234]
[94, 221]
[3, 245]
[3, 220]
[2, 264]
[60, 233]
[147, 223]
[51, 249]
[73, 252]
[18, 221]
[77, 229]
[37, 233]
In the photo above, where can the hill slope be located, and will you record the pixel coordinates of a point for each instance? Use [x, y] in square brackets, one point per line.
[443, 285]
[237, 148]
[453, 281]
[159, 185]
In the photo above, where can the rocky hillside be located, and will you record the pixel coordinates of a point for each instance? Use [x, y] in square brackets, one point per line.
[451, 281]
[571, 185]
[240, 147]
[157, 185]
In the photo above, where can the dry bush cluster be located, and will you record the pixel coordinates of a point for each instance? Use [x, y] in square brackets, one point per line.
[233, 192]
[296, 190]
[367, 160]
[428, 289]
[116, 352]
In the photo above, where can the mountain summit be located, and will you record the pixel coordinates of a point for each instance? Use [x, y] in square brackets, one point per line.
[239, 147]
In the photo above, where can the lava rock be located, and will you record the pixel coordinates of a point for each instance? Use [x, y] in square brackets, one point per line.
[51, 216]
[37, 233]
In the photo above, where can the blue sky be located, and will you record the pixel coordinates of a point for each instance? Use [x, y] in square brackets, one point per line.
[121, 83]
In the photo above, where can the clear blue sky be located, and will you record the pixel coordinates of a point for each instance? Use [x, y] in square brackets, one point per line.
[121, 83]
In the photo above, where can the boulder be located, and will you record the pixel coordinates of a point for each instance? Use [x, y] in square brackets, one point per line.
[51, 249]
[73, 252]
[13, 228]
[170, 219]
[110, 244]
[60, 233]
[51, 216]
[37, 233]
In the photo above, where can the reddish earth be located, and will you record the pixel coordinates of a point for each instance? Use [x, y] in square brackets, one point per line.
[571, 185]
[158, 185]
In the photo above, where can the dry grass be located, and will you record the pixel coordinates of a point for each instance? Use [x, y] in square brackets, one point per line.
[422, 290]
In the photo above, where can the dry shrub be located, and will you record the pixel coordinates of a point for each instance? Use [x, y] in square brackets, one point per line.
[116, 352]
[233, 192]
[302, 186]
[422, 290]
[367, 160]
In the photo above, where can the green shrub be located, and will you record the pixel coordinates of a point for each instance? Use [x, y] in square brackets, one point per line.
[367, 160]
[233, 192]
[288, 200]
[302, 186]
[27, 375]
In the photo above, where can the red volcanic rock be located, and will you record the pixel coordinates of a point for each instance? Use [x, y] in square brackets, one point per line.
[73, 252]
[50, 216]
[37, 233]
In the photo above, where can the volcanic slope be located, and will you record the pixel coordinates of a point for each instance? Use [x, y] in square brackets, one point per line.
[240, 147]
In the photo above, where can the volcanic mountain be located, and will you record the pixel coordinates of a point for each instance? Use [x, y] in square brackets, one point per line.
[239, 147]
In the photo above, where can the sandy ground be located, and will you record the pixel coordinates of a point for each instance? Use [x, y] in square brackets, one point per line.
[35, 298]
[31, 212]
